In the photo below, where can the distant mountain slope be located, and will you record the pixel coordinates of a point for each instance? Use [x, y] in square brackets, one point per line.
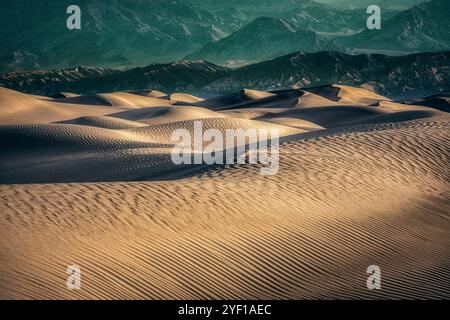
[325, 19]
[113, 33]
[262, 39]
[422, 28]
[175, 76]
[389, 4]
[393, 76]
[253, 9]
[120, 33]
[53, 81]
[305, 14]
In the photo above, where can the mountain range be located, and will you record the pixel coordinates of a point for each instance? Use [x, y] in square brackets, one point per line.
[118, 34]
[387, 75]
[392, 76]
[113, 33]
[262, 39]
[422, 28]
[389, 4]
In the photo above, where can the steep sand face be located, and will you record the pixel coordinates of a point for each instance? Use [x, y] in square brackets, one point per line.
[313, 100]
[357, 186]
[185, 98]
[347, 95]
[156, 94]
[257, 94]
[358, 95]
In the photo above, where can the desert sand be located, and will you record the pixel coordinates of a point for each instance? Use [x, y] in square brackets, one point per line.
[88, 180]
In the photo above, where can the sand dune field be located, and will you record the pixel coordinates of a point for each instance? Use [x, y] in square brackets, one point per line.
[89, 181]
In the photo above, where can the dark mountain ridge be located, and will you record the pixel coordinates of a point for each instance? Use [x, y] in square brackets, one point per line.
[423, 73]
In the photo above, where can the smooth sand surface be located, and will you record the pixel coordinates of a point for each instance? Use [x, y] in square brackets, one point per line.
[362, 181]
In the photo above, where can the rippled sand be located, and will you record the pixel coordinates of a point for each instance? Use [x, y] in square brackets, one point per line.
[362, 181]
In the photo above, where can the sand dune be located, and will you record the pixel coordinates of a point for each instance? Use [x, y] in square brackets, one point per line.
[436, 102]
[69, 94]
[18, 108]
[296, 123]
[310, 99]
[252, 98]
[156, 94]
[163, 132]
[358, 95]
[24, 138]
[125, 99]
[149, 93]
[13, 102]
[87, 100]
[328, 116]
[257, 94]
[184, 97]
[362, 180]
[105, 122]
[347, 95]
[162, 115]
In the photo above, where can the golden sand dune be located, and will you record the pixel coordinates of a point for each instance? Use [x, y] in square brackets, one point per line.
[156, 94]
[252, 113]
[48, 137]
[163, 132]
[365, 185]
[328, 116]
[253, 98]
[13, 102]
[347, 95]
[256, 94]
[125, 99]
[296, 123]
[309, 100]
[162, 115]
[17, 108]
[69, 94]
[358, 95]
[84, 100]
[184, 97]
[105, 122]
[393, 107]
